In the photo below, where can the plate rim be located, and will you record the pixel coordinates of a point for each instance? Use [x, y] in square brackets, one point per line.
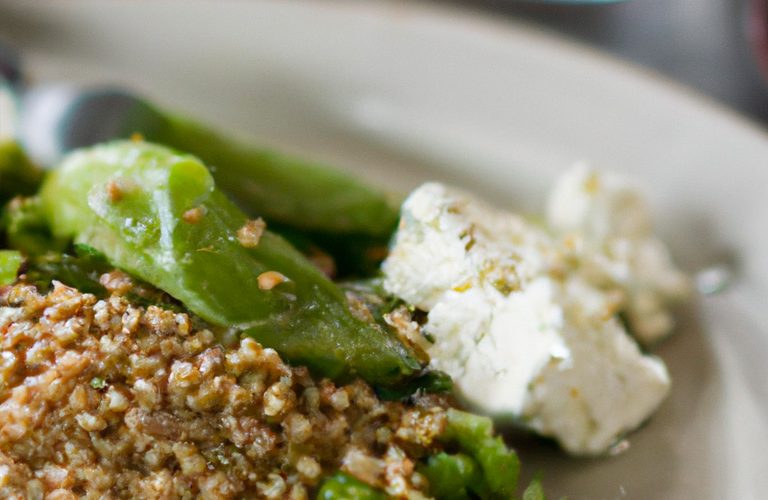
[504, 25]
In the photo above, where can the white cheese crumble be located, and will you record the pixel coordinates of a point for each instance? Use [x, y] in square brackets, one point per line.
[607, 220]
[523, 331]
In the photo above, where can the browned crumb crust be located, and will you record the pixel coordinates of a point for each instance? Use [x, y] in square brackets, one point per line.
[104, 399]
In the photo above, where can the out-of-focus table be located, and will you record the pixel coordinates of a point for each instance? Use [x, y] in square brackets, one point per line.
[701, 43]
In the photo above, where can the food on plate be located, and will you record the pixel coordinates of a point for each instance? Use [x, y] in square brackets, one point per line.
[146, 323]
[312, 205]
[157, 214]
[526, 321]
[605, 217]
[170, 325]
[104, 397]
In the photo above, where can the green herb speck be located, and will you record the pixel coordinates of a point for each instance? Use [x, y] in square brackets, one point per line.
[98, 383]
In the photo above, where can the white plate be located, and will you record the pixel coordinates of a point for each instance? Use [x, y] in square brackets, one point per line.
[409, 92]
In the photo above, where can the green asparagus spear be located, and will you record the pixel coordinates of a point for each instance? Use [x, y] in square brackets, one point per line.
[158, 215]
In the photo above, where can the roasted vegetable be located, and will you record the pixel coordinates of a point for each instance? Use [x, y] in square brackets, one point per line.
[158, 215]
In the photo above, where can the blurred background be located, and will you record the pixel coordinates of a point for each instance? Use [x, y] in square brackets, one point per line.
[713, 46]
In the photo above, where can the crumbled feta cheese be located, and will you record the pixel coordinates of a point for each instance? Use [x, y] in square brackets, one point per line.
[515, 322]
[608, 221]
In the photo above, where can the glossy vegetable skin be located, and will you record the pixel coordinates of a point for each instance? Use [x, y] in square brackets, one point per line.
[483, 467]
[454, 477]
[280, 188]
[302, 194]
[158, 215]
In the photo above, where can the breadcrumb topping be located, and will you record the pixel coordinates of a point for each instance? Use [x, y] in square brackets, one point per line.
[114, 191]
[270, 279]
[105, 399]
[193, 215]
[250, 234]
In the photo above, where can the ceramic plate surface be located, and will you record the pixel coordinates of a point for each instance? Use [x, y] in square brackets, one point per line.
[402, 93]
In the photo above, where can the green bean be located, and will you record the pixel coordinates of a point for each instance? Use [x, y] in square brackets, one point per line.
[158, 215]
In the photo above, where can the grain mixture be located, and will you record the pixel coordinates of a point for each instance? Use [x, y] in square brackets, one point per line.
[106, 399]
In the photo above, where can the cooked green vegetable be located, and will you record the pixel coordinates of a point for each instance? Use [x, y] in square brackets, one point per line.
[26, 227]
[81, 267]
[283, 188]
[10, 262]
[534, 491]
[483, 467]
[354, 255]
[344, 487]
[18, 175]
[453, 477]
[371, 294]
[277, 187]
[474, 435]
[432, 381]
[81, 272]
[158, 215]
